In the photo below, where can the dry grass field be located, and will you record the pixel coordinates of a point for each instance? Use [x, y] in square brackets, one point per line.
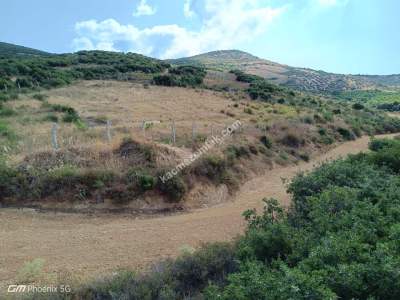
[127, 105]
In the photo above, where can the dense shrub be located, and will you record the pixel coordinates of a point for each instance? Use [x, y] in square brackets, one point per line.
[174, 189]
[346, 133]
[358, 106]
[212, 167]
[234, 152]
[292, 140]
[395, 106]
[141, 180]
[181, 76]
[386, 154]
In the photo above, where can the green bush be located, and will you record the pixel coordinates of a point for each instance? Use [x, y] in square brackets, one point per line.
[358, 106]
[387, 157]
[266, 141]
[380, 144]
[234, 152]
[141, 180]
[292, 140]
[174, 189]
[181, 76]
[346, 133]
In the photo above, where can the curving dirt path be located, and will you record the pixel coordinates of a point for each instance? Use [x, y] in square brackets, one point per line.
[92, 245]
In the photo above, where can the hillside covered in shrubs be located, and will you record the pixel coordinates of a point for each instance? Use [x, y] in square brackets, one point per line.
[339, 240]
[24, 73]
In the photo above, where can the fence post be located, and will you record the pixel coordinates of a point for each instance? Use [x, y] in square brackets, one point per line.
[212, 130]
[108, 131]
[144, 128]
[19, 86]
[173, 132]
[193, 131]
[5, 87]
[54, 140]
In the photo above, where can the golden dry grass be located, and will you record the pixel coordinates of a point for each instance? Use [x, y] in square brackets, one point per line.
[127, 104]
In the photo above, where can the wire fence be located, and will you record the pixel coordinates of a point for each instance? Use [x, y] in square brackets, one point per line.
[178, 134]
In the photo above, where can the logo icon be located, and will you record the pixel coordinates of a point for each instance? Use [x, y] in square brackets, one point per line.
[16, 288]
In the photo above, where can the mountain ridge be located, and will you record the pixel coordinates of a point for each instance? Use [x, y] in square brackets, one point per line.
[304, 79]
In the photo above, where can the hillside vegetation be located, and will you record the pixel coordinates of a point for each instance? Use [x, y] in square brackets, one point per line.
[297, 78]
[339, 240]
[82, 91]
[7, 50]
[388, 100]
[20, 73]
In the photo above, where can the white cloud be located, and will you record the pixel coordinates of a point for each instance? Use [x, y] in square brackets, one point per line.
[144, 9]
[187, 9]
[331, 3]
[227, 24]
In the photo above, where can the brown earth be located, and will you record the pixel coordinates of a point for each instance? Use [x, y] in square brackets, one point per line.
[88, 246]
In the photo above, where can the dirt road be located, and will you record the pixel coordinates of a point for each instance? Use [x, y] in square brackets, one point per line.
[90, 246]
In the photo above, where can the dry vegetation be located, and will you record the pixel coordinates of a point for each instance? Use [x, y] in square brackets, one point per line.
[92, 169]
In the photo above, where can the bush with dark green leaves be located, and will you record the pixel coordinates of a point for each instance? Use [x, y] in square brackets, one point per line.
[174, 188]
[181, 76]
[266, 141]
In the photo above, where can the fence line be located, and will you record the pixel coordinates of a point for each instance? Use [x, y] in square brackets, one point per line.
[179, 135]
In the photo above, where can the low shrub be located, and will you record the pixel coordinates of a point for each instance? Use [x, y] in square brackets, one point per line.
[141, 180]
[234, 152]
[212, 167]
[379, 144]
[174, 189]
[292, 140]
[358, 106]
[266, 141]
[346, 133]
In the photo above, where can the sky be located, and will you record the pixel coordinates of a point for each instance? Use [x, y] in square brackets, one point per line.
[341, 36]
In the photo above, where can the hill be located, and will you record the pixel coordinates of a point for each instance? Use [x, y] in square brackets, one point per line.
[7, 49]
[297, 78]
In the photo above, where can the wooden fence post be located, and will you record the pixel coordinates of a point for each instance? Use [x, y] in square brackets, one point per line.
[173, 132]
[108, 131]
[193, 131]
[144, 128]
[54, 139]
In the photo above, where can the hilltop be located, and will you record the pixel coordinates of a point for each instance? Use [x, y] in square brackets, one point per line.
[7, 49]
[297, 78]
[303, 79]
